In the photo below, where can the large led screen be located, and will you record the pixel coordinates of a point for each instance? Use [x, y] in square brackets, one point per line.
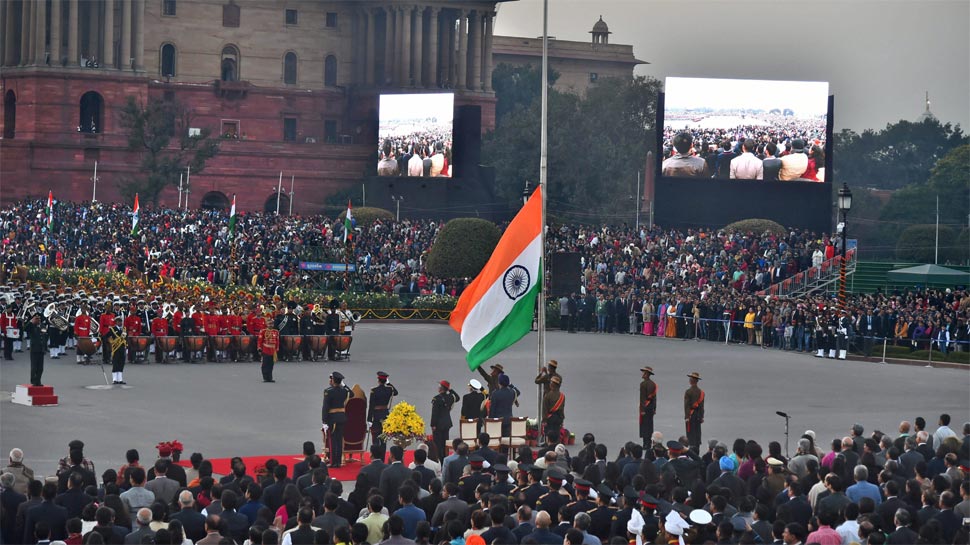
[735, 129]
[415, 135]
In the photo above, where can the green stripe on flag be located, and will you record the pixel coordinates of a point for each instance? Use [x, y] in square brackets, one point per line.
[516, 325]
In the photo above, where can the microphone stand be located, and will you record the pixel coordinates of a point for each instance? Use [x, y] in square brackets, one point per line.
[787, 418]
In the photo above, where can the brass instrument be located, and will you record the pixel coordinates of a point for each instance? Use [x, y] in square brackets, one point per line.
[118, 340]
[55, 318]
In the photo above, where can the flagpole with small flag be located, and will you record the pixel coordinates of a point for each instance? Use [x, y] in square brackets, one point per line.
[50, 209]
[348, 243]
[232, 238]
[134, 218]
[232, 218]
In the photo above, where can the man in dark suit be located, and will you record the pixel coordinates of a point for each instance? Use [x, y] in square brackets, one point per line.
[329, 520]
[302, 467]
[74, 499]
[454, 468]
[317, 491]
[34, 488]
[393, 477]
[427, 475]
[887, 509]
[452, 503]
[273, 494]
[771, 164]
[796, 509]
[142, 519]
[909, 459]
[524, 526]
[87, 477]
[236, 523]
[49, 513]
[303, 532]
[376, 466]
[728, 479]
[484, 451]
[10, 500]
[193, 523]
[948, 519]
[903, 535]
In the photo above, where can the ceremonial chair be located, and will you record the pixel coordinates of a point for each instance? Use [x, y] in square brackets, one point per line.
[518, 435]
[468, 432]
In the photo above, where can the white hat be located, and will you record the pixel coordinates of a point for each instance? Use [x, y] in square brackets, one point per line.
[701, 517]
[675, 526]
[474, 383]
[635, 525]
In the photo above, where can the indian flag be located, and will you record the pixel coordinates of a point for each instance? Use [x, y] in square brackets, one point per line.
[348, 224]
[232, 218]
[50, 209]
[497, 308]
[134, 218]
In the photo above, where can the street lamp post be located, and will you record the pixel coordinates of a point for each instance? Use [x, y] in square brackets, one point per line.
[845, 204]
[526, 193]
[397, 201]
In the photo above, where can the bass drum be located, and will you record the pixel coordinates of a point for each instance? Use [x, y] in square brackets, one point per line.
[292, 343]
[139, 344]
[88, 346]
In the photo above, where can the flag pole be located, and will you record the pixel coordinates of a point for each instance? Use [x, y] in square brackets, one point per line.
[292, 178]
[279, 193]
[543, 149]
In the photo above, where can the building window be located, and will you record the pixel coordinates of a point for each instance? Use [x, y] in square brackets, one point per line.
[168, 60]
[230, 129]
[230, 15]
[331, 19]
[289, 68]
[330, 71]
[289, 129]
[91, 113]
[593, 76]
[168, 7]
[291, 16]
[9, 114]
[330, 131]
[230, 63]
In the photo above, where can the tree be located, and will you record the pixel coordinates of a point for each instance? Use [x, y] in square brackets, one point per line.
[917, 244]
[596, 145]
[517, 86]
[151, 130]
[462, 248]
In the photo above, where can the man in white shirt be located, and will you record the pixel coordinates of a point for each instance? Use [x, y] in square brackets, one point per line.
[943, 431]
[747, 166]
[416, 163]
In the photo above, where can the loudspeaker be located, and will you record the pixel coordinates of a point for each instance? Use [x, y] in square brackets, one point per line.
[467, 149]
[565, 273]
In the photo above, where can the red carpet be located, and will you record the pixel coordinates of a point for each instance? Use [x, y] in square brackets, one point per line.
[347, 472]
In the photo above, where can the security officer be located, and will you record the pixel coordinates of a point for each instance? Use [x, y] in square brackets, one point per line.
[554, 407]
[377, 410]
[694, 411]
[334, 416]
[36, 332]
[468, 484]
[553, 500]
[441, 422]
[530, 494]
[501, 485]
[546, 373]
[622, 516]
[582, 504]
[648, 405]
[601, 517]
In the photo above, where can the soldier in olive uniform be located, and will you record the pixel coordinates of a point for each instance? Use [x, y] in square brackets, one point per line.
[377, 410]
[648, 405]
[334, 416]
[545, 375]
[694, 411]
[37, 334]
[441, 423]
[554, 407]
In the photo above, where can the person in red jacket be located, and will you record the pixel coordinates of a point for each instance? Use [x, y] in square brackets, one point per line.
[159, 328]
[234, 328]
[82, 328]
[132, 329]
[268, 342]
[211, 329]
[105, 322]
[255, 325]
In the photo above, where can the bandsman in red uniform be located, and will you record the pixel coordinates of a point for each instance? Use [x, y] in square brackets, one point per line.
[268, 343]
[255, 325]
[105, 322]
[159, 328]
[211, 329]
[234, 325]
[132, 329]
[177, 325]
[82, 328]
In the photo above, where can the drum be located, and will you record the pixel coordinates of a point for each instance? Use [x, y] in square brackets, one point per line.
[343, 342]
[292, 343]
[318, 343]
[139, 344]
[166, 344]
[220, 342]
[13, 333]
[194, 343]
[88, 346]
[242, 343]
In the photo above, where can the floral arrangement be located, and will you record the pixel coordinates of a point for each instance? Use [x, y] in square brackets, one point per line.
[436, 301]
[173, 445]
[403, 424]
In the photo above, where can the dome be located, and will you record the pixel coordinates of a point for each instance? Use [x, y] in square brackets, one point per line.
[600, 27]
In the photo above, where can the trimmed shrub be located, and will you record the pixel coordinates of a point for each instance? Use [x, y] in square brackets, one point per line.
[756, 226]
[462, 248]
[367, 215]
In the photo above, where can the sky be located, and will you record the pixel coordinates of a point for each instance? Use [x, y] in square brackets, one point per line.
[879, 56]
[806, 98]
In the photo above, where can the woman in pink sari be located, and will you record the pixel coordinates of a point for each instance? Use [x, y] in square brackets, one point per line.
[647, 317]
[662, 321]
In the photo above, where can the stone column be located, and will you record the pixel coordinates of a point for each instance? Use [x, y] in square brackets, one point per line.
[72, 58]
[55, 38]
[418, 42]
[10, 34]
[40, 32]
[408, 12]
[125, 60]
[474, 48]
[5, 28]
[109, 35]
[462, 49]
[399, 44]
[388, 46]
[370, 22]
[26, 33]
[433, 30]
[139, 35]
[94, 30]
[487, 78]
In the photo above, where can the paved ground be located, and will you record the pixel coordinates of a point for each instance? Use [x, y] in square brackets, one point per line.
[224, 409]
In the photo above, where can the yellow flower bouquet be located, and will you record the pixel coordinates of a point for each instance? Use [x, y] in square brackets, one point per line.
[403, 425]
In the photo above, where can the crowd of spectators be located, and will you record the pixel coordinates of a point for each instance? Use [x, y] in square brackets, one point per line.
[426, 154]
[871, 489]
